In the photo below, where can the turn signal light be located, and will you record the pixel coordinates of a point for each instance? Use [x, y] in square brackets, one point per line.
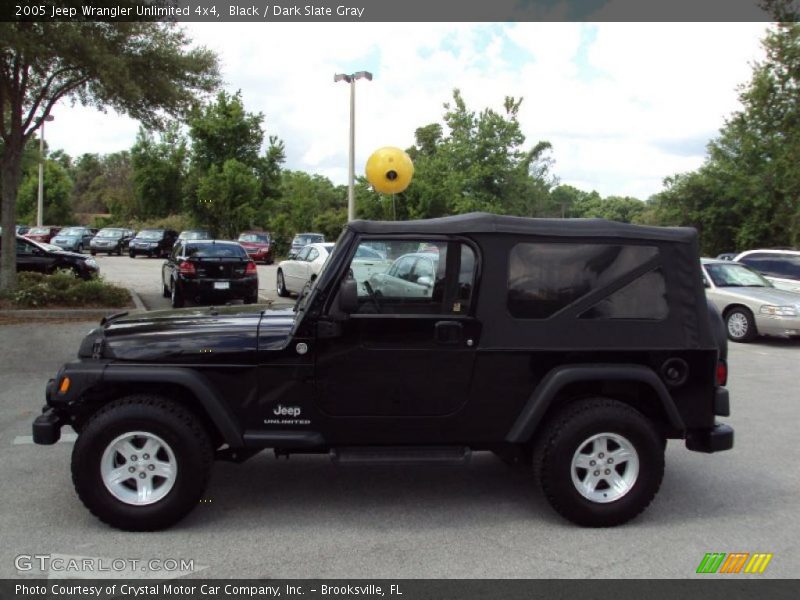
[64, 387]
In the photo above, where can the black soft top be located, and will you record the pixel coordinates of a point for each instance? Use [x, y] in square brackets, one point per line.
[478, 222]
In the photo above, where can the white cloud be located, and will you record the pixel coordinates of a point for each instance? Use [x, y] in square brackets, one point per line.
[621, 103]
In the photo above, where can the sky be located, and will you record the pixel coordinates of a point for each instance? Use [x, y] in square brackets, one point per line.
[623, 104]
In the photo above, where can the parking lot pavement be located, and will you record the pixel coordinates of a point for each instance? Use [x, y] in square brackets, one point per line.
[306, 517]
[143, 275]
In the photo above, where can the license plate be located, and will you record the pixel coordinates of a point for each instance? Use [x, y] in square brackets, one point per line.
[222, 285]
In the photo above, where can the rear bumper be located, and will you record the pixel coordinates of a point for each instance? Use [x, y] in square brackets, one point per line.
[717, 439]
[203, 289]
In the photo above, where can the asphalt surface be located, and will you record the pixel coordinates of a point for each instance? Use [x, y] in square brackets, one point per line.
[306, 517]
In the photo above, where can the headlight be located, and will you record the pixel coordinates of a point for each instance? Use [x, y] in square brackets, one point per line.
[90, 262]
[778, 311]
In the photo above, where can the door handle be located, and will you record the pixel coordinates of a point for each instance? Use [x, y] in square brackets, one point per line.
[448, 333]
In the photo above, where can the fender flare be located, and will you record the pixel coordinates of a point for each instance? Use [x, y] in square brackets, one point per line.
[542, 397]
[216, 409]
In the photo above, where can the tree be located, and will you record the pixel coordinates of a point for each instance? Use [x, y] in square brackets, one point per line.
[57, 195]
[221, 131]
[142, 69]
[226, 197]
[159, 170]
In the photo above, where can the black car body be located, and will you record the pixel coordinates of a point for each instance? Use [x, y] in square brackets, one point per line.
[205, 271]
[575, 346]
[33, 257]
[111, 240]
[152, 242]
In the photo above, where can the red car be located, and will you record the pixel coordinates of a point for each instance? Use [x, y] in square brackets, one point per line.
[258, 245]
[42, 234]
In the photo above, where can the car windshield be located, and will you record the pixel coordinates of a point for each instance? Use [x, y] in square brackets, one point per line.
[109, 233]
[195, 235]
[150, 235]
[70, 231]
[304, 240]
[735, 275]
[215, 251]
[254, 237]
[40, 230]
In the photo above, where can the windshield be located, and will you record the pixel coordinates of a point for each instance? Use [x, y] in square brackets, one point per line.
[305, 240]
[734, 275]
[195, 235]
[215, 251]
[150, 235]
[39, 231]
[71, 231]
[262, 238]
[109, 233]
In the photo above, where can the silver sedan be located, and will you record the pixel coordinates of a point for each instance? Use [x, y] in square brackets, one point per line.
[750, 305]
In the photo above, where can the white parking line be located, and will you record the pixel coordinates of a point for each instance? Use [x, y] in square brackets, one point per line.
[67, 438]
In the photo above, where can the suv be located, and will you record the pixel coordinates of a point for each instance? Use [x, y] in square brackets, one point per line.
[76, 239]
[577, 347]
[111, 240]
[301, 240]
[152, 242]
[781, 267]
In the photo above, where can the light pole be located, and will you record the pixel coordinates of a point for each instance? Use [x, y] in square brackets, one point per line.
[351, 79]
[40, 202]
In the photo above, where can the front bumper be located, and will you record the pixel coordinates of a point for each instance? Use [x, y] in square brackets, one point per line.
[778, 325]
[47, 428]
[717, 439]
[66, 244]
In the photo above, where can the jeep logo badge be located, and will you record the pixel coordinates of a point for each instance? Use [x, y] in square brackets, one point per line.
[293, 411]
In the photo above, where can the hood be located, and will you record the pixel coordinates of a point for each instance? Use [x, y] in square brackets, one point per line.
[254, 244]
[68, 236]
[761, 295]
[73, 255]
[193, 335]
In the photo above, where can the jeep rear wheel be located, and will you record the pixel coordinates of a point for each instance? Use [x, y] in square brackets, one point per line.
[600, 462]
[141, 463]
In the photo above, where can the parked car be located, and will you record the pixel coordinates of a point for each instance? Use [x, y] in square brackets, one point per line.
[258, 245]
[42, 234]
[749, 303]
[294, 273]
[726, 256]
[301, 240]
[195, 234]
[577, 346]
[21, 229]
[781, 267]
[152, 242]
[209, 271]
[31, 256]
[75, 239]
[111, 240]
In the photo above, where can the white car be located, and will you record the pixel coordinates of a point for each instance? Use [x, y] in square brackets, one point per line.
[411, 276]
[293, 274]
[781, 267]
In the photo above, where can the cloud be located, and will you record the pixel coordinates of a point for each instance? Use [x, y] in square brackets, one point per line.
[624, 104]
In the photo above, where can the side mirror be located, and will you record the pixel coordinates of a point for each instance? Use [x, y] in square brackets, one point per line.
[425, 280]
[348, 296]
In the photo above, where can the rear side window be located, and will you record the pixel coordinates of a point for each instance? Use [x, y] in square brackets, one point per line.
[783, 266]
[544, 278]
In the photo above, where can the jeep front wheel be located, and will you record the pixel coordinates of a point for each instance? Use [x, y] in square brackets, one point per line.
[141, 463]
[600, 462]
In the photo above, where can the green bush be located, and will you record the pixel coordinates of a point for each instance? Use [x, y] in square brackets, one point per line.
[178, 222]
[63, 288]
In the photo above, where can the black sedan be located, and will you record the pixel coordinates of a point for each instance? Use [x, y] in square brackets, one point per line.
[33, 257]
[209, 271]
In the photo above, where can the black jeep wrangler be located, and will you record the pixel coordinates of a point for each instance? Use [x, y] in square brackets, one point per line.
[577, 347]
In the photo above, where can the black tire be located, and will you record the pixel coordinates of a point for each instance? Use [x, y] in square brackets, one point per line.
[281, 285]
[79, 249]
[93, 252]
[132, 254]
[740, 325]
[177, 297]
[165, 292]
[567, 433]
[179, 428]
[119, 250]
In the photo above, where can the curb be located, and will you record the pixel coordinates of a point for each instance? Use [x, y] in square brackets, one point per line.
[70, 313]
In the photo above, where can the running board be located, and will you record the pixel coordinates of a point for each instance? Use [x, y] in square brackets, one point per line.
[400, 455]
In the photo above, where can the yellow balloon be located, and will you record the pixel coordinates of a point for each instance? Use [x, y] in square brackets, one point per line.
[389, 170]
